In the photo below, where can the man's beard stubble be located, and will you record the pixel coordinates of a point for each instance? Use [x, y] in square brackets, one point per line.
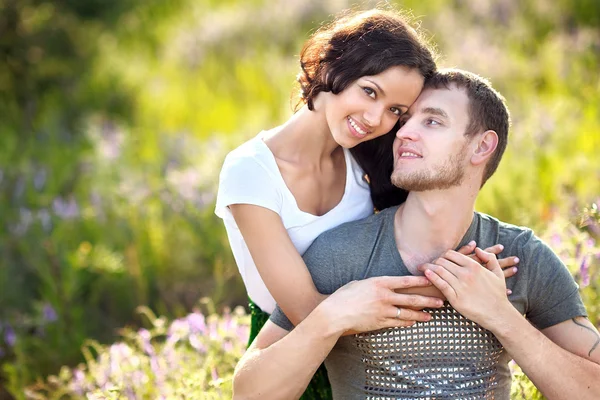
[449, 174]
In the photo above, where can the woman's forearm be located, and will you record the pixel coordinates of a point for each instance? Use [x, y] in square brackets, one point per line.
[281, 367]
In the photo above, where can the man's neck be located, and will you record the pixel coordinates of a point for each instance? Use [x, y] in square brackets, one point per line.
[429, 223]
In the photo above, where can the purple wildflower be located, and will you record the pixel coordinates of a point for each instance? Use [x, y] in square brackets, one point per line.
[578, 250]
[10, 338]
[214, 374]
[213, 330]
[197, 322]
[78, 382]
[48, 313]
[227, 320]
[242, 333]
[45, 219]
[66, 209]
[197, 344]
[145, 337]
[39, 179]
[584, 271]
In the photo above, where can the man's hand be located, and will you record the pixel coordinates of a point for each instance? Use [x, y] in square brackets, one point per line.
[477, 292]
[372, 304]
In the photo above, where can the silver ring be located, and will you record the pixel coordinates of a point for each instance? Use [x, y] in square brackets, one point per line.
[398, 310]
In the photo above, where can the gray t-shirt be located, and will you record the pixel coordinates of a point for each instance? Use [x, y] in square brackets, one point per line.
[448, 357]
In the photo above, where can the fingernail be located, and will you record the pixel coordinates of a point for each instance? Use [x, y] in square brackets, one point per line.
[509, 291]
[471, 243]
[515, 269]
[517, 259]
[501, 247]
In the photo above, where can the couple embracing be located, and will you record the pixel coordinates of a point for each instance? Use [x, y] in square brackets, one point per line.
[421, 299]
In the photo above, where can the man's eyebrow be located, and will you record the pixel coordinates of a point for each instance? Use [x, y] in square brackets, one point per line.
[435, 111]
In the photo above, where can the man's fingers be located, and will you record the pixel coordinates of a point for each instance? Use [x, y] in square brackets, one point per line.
[490, 261]
[403, 282]
[460, 259]
[454, 270]
[468, 248]
[441, 284]
[415, 301]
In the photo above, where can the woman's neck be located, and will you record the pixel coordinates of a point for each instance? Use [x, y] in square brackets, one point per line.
[305, 138]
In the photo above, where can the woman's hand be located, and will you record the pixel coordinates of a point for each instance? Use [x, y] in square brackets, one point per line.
[372, 304]
[507, 264]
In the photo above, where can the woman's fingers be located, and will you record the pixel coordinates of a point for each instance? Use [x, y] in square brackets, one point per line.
[414, 301]
[508, 262]
[508, 272]
[406, 314]
[495, 249]
[468, 248]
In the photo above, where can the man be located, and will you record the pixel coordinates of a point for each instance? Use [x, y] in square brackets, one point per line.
[451, 142]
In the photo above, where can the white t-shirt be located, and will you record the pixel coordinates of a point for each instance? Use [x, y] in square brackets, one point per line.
[250, 175]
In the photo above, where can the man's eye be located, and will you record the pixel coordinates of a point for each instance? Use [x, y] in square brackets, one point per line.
[432, 122]
[370, 92]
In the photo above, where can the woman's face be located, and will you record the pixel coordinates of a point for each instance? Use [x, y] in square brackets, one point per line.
[370, 106]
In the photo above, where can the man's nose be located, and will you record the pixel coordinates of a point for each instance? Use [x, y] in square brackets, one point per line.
[407, 132]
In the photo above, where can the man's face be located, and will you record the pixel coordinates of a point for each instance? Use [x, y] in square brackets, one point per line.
[430, 149]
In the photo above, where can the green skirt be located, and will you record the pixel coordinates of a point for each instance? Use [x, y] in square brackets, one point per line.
[319, 387]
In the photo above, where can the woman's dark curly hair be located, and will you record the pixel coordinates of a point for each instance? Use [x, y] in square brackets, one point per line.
[360, 44]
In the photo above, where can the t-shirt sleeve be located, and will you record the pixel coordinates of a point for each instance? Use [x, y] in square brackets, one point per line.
[319, 259]
[246, 180]
[552, 293]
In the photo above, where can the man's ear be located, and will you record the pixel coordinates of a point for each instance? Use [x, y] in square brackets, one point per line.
[484, 147]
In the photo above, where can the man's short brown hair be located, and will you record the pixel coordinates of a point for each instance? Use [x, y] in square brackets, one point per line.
[487, 109]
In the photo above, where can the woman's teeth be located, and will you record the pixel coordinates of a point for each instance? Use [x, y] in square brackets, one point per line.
[356, 127]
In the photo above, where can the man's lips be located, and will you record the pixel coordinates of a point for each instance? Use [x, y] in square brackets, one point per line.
[405, 152]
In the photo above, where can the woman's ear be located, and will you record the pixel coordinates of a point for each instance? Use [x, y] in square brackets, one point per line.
[485, 147]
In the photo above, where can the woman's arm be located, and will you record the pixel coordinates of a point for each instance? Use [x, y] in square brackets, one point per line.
[279, 365]
[280, 265]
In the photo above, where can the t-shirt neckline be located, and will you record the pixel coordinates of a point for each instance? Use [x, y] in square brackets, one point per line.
[389, 228]
[289, 193]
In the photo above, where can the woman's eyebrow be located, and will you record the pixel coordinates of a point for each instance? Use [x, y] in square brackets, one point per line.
[375, 83]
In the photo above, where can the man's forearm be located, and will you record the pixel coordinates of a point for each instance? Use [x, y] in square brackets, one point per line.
[556, 372]
[284, 369]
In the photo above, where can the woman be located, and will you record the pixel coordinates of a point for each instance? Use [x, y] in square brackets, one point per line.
[283, 188]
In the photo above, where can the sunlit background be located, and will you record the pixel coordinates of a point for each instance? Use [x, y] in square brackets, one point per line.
[115, 116]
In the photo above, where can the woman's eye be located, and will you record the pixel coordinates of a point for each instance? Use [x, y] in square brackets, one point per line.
[370, 92]
[396, 111]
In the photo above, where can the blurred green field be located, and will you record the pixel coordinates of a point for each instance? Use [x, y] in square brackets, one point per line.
[116, 116]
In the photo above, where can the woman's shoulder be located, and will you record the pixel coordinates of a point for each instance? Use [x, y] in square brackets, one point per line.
[251, 154]
[251, 149]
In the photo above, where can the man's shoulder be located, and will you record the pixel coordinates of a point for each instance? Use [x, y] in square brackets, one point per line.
[506, 233]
